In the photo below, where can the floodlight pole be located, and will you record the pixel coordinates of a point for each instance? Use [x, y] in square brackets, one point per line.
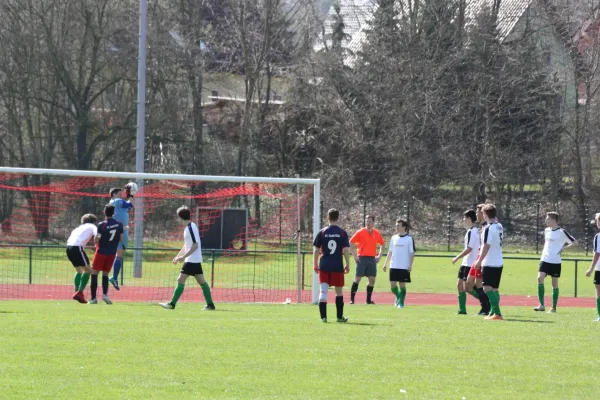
[140, 141]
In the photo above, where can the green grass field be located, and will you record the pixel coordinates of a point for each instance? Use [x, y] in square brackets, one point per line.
[278, 271]
[64, 350]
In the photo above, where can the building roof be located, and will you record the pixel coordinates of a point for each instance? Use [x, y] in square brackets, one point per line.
[356, 14]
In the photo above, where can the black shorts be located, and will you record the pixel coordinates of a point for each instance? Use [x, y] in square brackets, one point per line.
[399, 275]
[463, 272]
[192, 268]
[77, 256]
[492, 276]
[550, 269]
[597, 278]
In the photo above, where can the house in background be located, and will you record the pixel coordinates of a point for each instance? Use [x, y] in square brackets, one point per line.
[516, 18]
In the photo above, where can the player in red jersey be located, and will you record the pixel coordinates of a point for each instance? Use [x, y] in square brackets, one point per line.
[474, 285]
[110, 234]
[331, 246]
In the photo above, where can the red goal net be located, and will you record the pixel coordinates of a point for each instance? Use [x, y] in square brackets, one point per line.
[249, 234]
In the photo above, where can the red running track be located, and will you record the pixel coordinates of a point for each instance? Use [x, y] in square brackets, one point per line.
[194, 294]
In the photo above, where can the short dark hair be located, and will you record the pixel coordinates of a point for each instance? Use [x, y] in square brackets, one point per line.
[470, 214]
[370, 216]
[490, 211]
[89, 219]
[333, 215]
[402, 222]
[553, 215]
[183, 212]
[109, 210]
[113, 191]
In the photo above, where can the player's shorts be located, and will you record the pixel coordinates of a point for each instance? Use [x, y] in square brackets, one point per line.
[492, 276]
[366, 266]
[463, 272]
[192, 268]
[125, 242]
[474, 272]
[77, 256]
[331, 278]
[399, 275]
[103, 262]
[550, 269]
[597, 278]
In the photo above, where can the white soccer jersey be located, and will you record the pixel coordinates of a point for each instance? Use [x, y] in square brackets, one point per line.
[402, 247]
[472, 242]
[493, 234]
[554, 241]
[82, 235]
[597, 249]
[191, 236]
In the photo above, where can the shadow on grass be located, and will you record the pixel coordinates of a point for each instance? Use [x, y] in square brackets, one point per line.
[533, 321]
[363, 324]
[11, 312]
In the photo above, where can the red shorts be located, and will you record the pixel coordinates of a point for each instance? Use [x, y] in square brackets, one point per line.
[475, 272]
[331, 278]
[103, 262]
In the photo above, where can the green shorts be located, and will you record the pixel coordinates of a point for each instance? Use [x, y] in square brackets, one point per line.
[366, 266]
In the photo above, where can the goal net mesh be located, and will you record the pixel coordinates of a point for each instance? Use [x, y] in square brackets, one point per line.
[248, 234]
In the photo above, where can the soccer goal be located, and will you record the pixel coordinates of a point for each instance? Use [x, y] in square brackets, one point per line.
[258, 233]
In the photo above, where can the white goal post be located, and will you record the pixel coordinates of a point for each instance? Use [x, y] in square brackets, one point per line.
[139, 202]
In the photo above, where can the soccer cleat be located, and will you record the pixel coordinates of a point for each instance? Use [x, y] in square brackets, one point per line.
[351, 302]
[371, 302]
[343, 319]
[540, 308]
[494, 317]
[483, 312]
[324, 320]
[209, 307]
[552, 311]
[597, 319]
[397, 302]
[79, 297]
[400, 305]
[106, 299]
[115, 283]
[168, 306]
[461, 313]
[93, 301]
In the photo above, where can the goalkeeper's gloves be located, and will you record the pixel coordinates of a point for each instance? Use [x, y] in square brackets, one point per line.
[128, 192]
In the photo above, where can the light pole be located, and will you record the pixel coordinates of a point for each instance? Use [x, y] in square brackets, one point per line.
[140, 141]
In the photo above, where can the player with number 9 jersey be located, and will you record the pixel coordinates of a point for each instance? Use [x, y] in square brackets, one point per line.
[332, 241]
[110, 234]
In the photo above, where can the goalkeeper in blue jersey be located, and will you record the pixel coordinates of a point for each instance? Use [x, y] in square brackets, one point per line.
[122, 206]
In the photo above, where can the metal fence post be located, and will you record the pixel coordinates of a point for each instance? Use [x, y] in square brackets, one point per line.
[586, 231]
[212, 269]
[576, 265]
[407, 213]
[303, 264]
[449, 221]
[30, 264]
[365, 211]
[537, 228]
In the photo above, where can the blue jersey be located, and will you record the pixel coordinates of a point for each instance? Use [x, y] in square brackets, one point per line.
[122, 208]
[109, 232]
[331, 241]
